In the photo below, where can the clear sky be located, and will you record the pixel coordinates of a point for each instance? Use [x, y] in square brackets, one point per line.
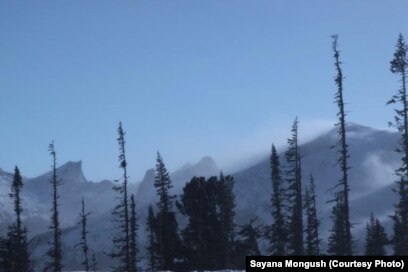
[187, 78]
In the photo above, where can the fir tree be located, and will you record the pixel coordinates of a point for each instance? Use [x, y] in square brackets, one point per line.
[343, 151]
[399, 66]
[133, 235]
[55, 252]
[17, 236]
[294, 194]
[84, 241]
[166, 227]
[376, 238]
[312, 224]
[278, 235]
[152, 240]
[121, 212]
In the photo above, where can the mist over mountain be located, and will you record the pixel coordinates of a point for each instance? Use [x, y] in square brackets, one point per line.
[372, 161]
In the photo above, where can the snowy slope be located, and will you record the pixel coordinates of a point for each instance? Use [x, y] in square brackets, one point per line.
[372, 162]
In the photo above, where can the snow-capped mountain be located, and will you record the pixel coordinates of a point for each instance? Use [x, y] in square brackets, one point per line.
[372, 162]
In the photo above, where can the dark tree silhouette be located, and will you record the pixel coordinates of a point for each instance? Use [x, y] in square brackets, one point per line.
[166, 224]
[121, 212]
[84, 233]
[133, 235]
[337, 238]
[312, 224]
[206, 240]
[376, 238]
[55, 251]
[152, 245]
[294, 194]
[226, 200]
[399, 66]
[278, 232]
[17, 235]
[343, 150]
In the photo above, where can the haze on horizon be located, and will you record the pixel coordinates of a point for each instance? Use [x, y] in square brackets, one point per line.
[187, 78]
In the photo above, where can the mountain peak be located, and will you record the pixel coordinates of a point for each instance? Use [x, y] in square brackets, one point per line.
[204, 167]
[354, 131]
[207, 163]
[71, 172]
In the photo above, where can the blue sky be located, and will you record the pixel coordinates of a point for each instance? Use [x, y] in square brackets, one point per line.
[187, 78]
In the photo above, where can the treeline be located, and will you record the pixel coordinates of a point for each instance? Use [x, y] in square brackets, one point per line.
[210, 239]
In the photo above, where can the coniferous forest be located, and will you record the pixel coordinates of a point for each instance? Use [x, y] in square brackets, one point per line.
[197, 230]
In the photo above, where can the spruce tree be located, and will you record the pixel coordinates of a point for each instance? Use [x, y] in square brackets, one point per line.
[133, 235]
[312, 224]
[19, 258]
[152, 244]
[278, 235]
[84, 233]
[121, 212]
[166, 227]
[399, 67]
[294, 194]
[344, 156]
[55, 251]
[376, 238]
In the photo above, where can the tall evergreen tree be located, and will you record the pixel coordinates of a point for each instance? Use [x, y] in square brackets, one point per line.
[121, 212]
[152, 244]
[226, 201]
[278, 235]
[84, 233]
[294, 194]
[19, 258]
[376, 238]
[399, 66]
[312, 224]
[134, 250]
[166, 227]
[55, 251]
[343, 149]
